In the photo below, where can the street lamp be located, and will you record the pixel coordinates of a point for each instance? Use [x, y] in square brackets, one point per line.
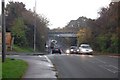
[35, 27]
[3, 32]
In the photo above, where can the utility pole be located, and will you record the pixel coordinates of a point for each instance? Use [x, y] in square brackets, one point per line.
[35, 27]
[3, 32]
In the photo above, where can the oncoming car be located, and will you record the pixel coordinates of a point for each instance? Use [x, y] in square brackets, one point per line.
[85, 49]
[72, 50]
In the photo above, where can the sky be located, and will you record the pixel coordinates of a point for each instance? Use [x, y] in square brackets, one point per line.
[60, 12]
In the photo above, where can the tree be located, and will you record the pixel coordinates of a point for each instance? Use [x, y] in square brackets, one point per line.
[84, 35]
[18, 32]
[107, 39]
[13, 10]
[19, 18]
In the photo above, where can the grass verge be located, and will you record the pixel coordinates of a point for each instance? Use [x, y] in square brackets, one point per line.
[13, 68]
[19, 49]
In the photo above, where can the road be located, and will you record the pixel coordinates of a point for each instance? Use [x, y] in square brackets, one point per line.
[85, 66]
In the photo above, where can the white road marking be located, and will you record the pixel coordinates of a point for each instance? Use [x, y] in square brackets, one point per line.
[109, 68]
[105, 65]
[115, 56]
[51, 64]
[114, 66]
[100, 60]
[91, 56]
[40, 56]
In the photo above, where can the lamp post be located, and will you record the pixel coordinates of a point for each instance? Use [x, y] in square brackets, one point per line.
[35, 27]
[3, 32]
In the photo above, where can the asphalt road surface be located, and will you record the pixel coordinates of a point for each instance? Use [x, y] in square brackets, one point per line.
[85, 66]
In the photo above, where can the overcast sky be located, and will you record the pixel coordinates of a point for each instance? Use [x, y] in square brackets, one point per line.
[60, 12]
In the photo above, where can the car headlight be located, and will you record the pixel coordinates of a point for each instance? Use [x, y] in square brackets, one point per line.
[71, 50]
[78, 50]
[67, 51]
[91, 50]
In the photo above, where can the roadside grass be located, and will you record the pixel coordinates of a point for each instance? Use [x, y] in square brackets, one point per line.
[19, 49]
[13, 68]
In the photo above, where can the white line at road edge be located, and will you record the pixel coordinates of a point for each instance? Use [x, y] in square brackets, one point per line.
[49, 61]
[51, 64]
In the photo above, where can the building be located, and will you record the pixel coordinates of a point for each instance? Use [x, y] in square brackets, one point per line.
[8, 40]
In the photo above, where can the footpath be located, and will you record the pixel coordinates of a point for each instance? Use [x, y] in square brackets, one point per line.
[40, 67]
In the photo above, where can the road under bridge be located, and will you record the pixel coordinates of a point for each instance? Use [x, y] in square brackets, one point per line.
[64, 39]
[62, 34]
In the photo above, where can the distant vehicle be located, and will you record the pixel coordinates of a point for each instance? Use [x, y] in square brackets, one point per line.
[56, 50]
[73, 50]
[85, 49]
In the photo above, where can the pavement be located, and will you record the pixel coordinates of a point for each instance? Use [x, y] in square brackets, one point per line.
[39, 67]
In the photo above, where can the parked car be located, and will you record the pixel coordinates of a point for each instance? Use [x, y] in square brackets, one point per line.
[85, 49]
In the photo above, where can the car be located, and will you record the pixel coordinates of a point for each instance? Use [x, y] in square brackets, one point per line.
[56, 50]
[85, 49]
[73, 50]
